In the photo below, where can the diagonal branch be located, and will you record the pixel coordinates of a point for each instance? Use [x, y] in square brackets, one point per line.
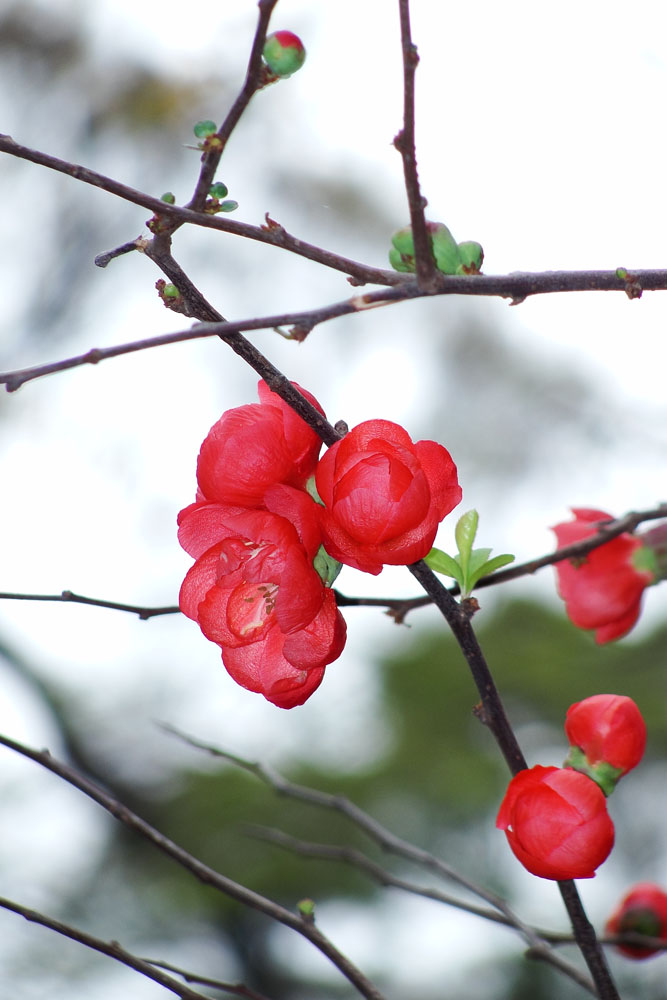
[111, 948]
[197, 868]
[492, 713]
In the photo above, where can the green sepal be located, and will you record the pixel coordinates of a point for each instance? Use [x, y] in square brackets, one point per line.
[326, 566]
[311, 487]
[445, 248]
[471, 257]
[602, 773]
[645, 560]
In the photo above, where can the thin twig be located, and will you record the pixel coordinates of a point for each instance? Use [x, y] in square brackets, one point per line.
[404, 142]
[252, 83]
[111, 948]
[236, 989]
[538, 941]
[201, 871]
[69, 597]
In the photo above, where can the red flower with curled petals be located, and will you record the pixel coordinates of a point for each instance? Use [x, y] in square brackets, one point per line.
[250, 448]
[556, 822]
[603, 590]
[254, 592]
[384, 496]
[643, 910]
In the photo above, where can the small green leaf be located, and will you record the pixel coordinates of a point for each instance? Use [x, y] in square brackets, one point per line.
[440, 562]
[466, 529]
[477, 559]
[228, 206]
[496, 563]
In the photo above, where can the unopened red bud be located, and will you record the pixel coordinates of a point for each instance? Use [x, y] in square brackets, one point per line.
[284, 53]
[643, 910]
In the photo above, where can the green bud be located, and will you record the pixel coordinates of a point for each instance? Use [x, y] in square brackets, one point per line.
[203, 129]
[445, 249]
[228, 206]
[402, 253]
[472, 257]
[306, 908]
[218, 190]
[284, 53]
[168, 198]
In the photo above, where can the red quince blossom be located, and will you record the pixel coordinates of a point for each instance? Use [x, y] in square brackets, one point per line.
[254, 592]
[253, 447]
[384, 496]
[643, 910]
[607, 728]
[603, 590]
[556, 822]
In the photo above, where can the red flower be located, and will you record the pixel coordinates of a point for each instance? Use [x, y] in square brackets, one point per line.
[383, 496]
[609, 729]
[643, 910]
[254, 592]
[602, 590]
[252, 447]
[556, 822]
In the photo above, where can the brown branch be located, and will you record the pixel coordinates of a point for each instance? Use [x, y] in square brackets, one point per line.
[110, 948]
[201, 871]
[404, 142]
[68, 597]
[273, 234]
[492, 713]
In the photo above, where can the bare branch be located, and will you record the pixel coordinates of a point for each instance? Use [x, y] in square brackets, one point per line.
[537, 940]
[492, 713]
[201, 871]
[405, 143]
[236, 989]
[272, 234]
[110, 948]
[69, 597]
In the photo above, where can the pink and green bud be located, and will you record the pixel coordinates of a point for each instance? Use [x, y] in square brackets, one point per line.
[284, 53]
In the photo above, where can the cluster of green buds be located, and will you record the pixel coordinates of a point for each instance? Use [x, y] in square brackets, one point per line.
[450, 257]
[206, 132]
[218, 201]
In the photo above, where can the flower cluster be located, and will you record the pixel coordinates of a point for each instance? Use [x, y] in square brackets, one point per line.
[643, 910]
[267, 545]
[254, 533]
[603, 590]
[555, 818]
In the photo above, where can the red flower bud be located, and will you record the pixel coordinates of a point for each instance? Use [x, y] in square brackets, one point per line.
[383, 496]
[643, 910]
[602, 590]
[284, 53]
[556, 822]
[608, 729]
[252, 447]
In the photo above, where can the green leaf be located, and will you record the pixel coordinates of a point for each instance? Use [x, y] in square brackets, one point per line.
[477, 559]
[466, 529]
[440, 562]
[496, 563]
